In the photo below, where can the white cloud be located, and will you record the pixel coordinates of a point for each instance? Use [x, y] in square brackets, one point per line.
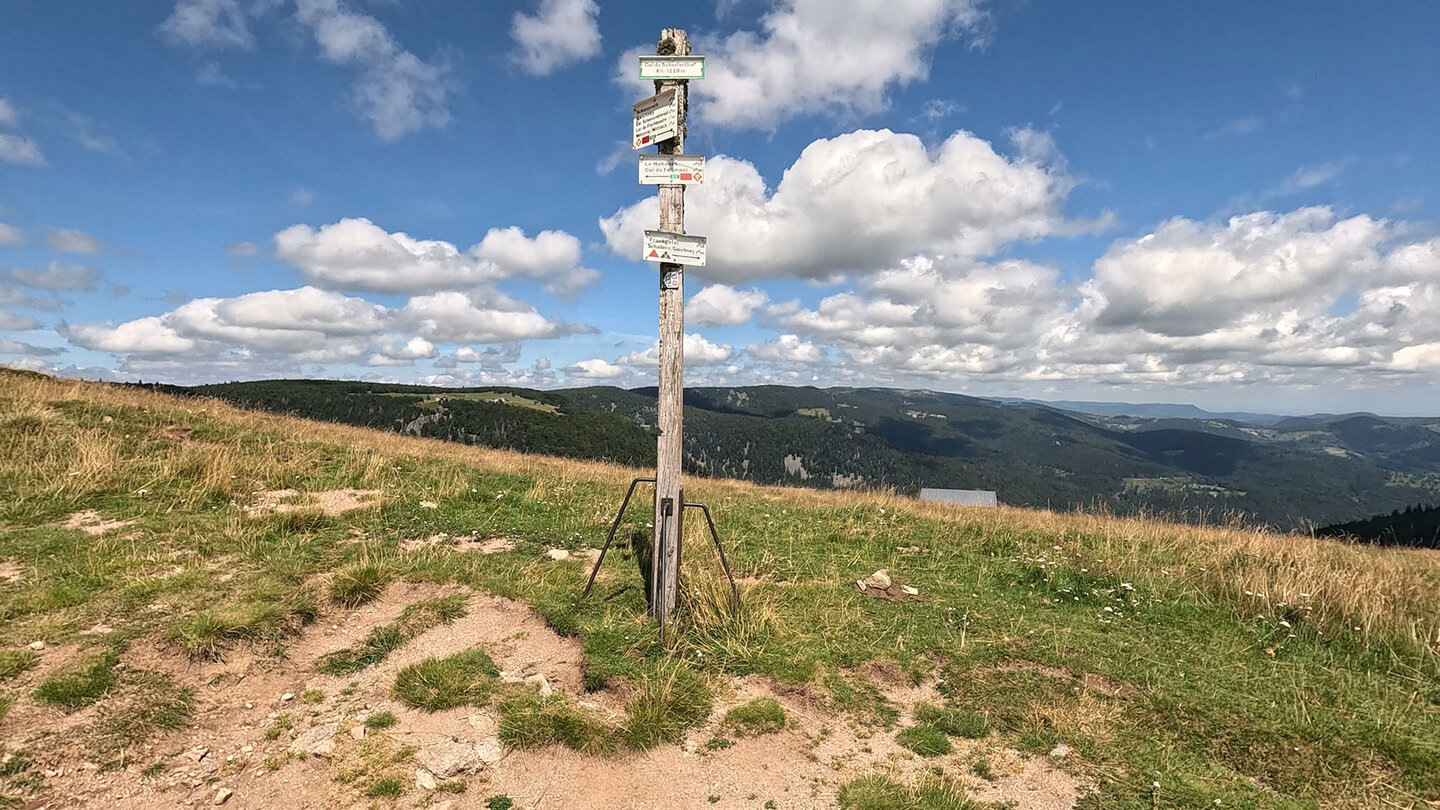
[11, 236]
[56, 276]
[8, 346]
[356, 254]
[397, 91]
[15, 322]
[140, 336]
[69, 240]
[698, 352]
[1308, 177]
[595, 369]
[403, 353]
[786, 349]
[20, 150]
[1188, 278]
[840, 57]
[863, 201]
[9, 296]
[218, 23]
[9, 117]
[480, 316]
[558, 34]
[721, 305]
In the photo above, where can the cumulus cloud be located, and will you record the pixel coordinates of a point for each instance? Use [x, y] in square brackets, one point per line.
[9, 117]
[140, 336]
[558, 34]
[480, 316]
[56, 276]
[841, 57]
[863, 201]
[722, 305]
[217, 23]
[356, 254]
[11, 236]
[69, 240]
[698, 352]
[20, 150]
[8, 346]
[11, 297]
[397, 91]
[786, 349]
[595, 369]
[403, 353]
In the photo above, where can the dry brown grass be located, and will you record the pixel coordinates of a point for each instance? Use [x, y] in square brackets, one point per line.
[1386, 593]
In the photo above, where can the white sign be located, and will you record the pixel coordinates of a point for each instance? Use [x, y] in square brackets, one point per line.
[672, 67]
[675, 248]
[657, 119]
[672, 170]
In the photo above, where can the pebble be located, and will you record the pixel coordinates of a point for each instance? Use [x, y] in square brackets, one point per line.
[37, 645]
[424, 779]
[223, 795]
[249, 705]
[358, 732]
[558, 554]
[880, 579]
[1060, 751]
[542, 682]
[287, 696]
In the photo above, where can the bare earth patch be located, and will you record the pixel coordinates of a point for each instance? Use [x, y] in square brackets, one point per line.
[10, 571]
[93, 523]
[330, 501]
[277, 733]
[1089, 680]
[461, 543]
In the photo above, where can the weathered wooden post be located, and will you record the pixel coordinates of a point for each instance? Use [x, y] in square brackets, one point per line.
[660, 120]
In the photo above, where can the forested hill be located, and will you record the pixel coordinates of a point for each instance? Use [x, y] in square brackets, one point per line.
[1415, 526]
[1031, 454]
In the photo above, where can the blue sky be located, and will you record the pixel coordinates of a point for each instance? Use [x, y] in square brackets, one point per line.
[1231, 205]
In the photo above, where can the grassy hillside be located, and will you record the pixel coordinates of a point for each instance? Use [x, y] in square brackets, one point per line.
[158, 546]
[1190, 470]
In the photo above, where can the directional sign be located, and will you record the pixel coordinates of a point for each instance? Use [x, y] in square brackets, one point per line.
[657, 119]
[676, 248]
[672, 170]
[672, 67]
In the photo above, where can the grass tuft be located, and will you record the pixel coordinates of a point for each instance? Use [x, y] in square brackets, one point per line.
[530, 721]
[82, 684]
[880, 793]
[925, 741]
[207, 634]
[414, 620]
[14, 662]
[666, 704]
[467, 678]
[759, 716]
[389, 786]
[955, 722]
[380, 720]
[357, 583]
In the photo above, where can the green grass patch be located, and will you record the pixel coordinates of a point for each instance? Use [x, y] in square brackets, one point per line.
[880, 793]
[144, 704]
[667, 703]
[207, 634]
[530, 721]
[759, 716]
[380, 720]
[14, 662]
[82, 684]
[359, 582]
[925, 741]
[953, 721]
[414, 620]
[499, 802]
[466, 678]
[388, 786]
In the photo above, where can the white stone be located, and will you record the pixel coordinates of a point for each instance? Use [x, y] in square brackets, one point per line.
[358, 732]
[1060, 751]
[558, 554]
[37, 645]
[288, 696]
[449, 758]
[319, 741]
[489, 750]
[223, 795]
[542, 682]
[880, 579]
[424, 779]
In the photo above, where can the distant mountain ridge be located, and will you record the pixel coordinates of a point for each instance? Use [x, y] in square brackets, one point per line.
[1299, 472]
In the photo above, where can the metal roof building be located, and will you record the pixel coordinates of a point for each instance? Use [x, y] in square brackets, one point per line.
[960, 497]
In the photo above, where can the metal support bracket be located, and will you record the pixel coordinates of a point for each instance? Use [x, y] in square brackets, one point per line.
[619, 516]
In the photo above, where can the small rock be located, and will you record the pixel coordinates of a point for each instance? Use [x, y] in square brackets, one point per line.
[558, 554]
[197, 753]
[489, 750]
[448, 759]
[319, 740]
[424, 779]
[860, 583]
[909, 590]
[249, 704]
[245, 749]
[223, 795]
[484, 723]
[288, 696]
[37, 645]
[1060, 751]
[880, 579]
[542, 682]
[358, 732]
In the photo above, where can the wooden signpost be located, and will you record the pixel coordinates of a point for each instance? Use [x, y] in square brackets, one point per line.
[660, 121]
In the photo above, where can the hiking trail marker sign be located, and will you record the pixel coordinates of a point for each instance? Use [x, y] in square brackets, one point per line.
[657, 119]
[664, 170]
[672, 67]
[674, 248]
